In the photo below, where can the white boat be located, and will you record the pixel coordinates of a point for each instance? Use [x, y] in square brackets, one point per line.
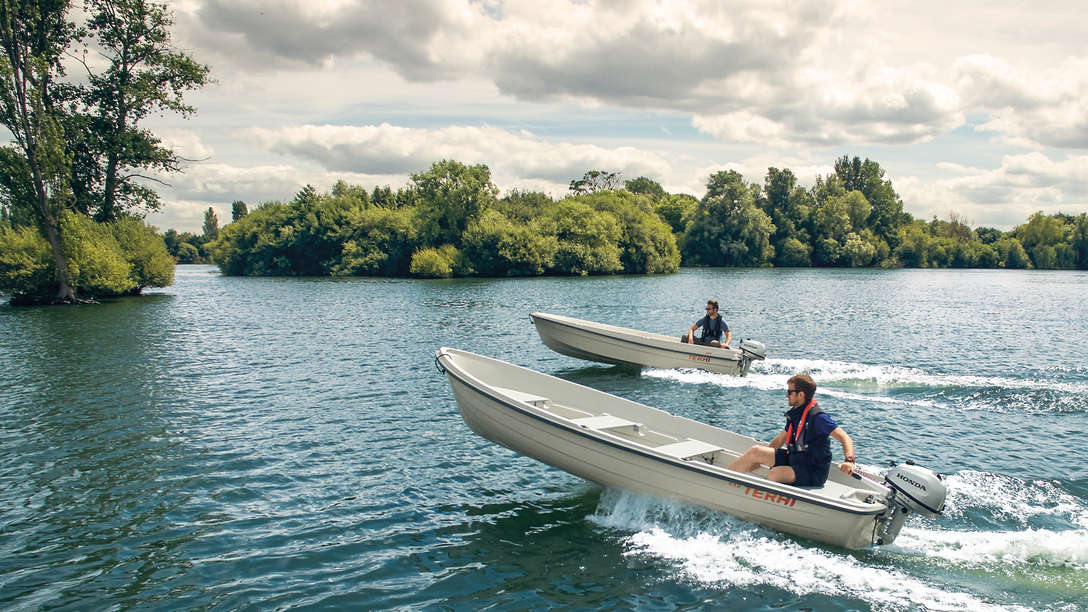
[613, 344]
[623, 444]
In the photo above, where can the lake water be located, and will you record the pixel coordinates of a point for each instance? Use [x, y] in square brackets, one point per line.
[262, 443]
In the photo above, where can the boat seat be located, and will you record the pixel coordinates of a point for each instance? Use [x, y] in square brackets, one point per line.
[688, 448]
[605, 421]
[528, 398]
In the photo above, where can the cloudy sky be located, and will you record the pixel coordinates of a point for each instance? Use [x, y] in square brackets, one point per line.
[974, 108]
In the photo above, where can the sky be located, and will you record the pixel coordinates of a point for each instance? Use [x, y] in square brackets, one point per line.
[973, 108]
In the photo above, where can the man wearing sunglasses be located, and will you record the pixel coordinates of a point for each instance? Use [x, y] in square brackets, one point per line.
[801, 453]
[713, 326]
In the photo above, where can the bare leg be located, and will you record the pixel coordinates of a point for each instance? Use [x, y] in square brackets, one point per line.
[753, 458]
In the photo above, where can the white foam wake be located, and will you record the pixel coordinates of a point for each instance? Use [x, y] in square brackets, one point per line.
[1011, 499]
[714, 549]
[864, 381]
[1035, 547]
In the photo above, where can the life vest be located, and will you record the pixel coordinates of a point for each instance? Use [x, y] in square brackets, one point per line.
[804, 442]
[706, 328]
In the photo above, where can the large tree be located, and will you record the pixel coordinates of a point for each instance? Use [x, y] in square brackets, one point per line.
[145, 74]
[727, 228]
[77, 145]
[34, 35]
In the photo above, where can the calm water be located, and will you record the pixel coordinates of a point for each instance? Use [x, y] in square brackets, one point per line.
[270, 443]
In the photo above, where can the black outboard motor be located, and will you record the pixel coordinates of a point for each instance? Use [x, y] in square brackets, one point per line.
[913, 489]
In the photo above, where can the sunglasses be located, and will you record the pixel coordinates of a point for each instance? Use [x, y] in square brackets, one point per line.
[792, 391]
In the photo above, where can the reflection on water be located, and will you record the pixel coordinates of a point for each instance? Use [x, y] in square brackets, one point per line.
[286, 442]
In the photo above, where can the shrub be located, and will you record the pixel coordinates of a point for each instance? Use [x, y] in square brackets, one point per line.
[442, 262]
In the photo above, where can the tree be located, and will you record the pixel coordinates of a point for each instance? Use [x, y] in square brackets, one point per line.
[886, 216]
[145, 75]
[646, 186]
[211, 225]
[728, 229]
[238, 210]
[34, 34]
[596, 180]
[452, 195]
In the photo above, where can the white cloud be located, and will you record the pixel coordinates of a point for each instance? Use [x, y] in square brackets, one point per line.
[1003, 196]
[393, 149]
[675, 91]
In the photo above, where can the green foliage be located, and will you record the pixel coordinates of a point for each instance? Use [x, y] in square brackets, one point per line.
[646, 242]
[96, 264]
[793, 253]
[104, 259]
[144, 75]
[436, 263]
[676, 210]
[26, 263]
[451, 196]
[498, 247]
[145, 252]
[1011, 254]
[238, 210]
[448, 222]
[886, 216]
[379, 242]
[186, 253]
[646, 186]
[587, 240]
[522, 206]
[727, 228]
[211, 225]
[595, 181]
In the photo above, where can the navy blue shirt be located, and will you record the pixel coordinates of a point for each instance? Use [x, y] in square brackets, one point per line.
[708, 330]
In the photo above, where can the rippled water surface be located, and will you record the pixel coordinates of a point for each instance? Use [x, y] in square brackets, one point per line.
[236, 443]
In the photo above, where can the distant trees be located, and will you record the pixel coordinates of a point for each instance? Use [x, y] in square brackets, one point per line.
[449, 221]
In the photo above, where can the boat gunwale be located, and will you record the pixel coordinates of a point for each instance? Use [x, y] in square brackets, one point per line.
[734, 360]
[598, 436]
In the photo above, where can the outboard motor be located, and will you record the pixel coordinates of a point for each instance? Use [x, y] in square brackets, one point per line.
[913, 489]
[753, 349]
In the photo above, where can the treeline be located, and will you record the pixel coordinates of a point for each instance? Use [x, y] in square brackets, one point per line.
[449, 221]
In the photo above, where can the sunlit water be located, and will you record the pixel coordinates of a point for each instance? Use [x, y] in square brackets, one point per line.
[287, 443]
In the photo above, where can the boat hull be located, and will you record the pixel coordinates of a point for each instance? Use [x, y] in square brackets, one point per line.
[613, 460]
[619, 345]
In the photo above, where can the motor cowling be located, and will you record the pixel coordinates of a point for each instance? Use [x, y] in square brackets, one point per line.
[917, 489]
[753, 349]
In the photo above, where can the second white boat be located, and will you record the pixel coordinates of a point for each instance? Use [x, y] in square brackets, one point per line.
[613, 344]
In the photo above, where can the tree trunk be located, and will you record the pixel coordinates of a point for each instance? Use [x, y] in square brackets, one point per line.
[65, 293]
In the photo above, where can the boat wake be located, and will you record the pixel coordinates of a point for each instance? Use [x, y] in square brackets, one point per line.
[995, 536]
[1049, 391]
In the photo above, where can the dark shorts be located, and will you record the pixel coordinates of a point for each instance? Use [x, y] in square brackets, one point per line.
[713, 343]
[805, 475]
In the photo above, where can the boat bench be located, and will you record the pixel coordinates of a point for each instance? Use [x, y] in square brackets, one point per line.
[605, 421]
[688, 448]
[528, 398]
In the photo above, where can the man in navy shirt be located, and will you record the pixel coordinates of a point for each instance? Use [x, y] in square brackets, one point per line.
[713, 326]
[801, 453]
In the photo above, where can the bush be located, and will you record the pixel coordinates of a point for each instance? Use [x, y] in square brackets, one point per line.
[435, 263]
[96, 265]
[793, 252]
[497, 246]
[145, 252]
[26, 263]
